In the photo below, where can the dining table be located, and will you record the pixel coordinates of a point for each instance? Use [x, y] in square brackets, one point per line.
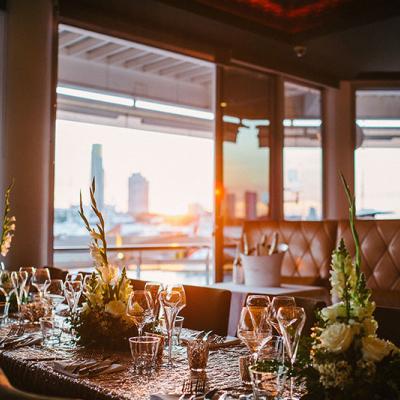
[32, 368]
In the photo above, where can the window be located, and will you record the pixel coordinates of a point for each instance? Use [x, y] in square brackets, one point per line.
[377, 155]
[139, 120]
[302, 154]
[246, 105]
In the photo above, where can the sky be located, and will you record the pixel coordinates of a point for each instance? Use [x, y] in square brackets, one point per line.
[179, 168]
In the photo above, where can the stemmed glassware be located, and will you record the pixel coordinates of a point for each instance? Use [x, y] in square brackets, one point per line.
[7, 287]
[154, 289]
[258, 306]
[55, 292]
[30, 271]
[72, 277]
[254, 337]
[140, 308]
[40, 278]
[171, 302]
[180, 289]
[291, 322]
[72, 292]
[276, 304]
[19, 279]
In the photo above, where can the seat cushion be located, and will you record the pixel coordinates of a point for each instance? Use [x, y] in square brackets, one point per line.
[310, 246]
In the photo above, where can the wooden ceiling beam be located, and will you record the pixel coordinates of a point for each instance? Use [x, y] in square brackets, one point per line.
[103, 51]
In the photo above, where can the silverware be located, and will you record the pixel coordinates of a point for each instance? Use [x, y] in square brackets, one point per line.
[192, 388]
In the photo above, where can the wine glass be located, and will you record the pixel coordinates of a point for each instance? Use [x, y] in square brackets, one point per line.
[6, 287]
[40, 279]
[180, 289]
[30, 271]
[253, 337]
[19, 279]
[276, 304]
[291, 322]
[72, 277]
[154, 289]
[55, 292]
[72, 292]
[258, 305]
[171, 301]
[140, 308]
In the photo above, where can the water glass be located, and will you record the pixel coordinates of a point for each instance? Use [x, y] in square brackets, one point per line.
[144, 350]
[268, 385]
[197, 351]
[176, 333]
[51, 330]
[160, 352]
[4, 306]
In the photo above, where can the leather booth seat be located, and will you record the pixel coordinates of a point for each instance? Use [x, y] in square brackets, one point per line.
[311, 244]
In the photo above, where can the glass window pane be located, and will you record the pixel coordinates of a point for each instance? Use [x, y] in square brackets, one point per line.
[377, 155]
[246, 105]
[302, 154]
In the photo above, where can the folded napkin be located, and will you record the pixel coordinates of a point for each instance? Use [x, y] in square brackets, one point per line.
[87, 368]
[22, 341]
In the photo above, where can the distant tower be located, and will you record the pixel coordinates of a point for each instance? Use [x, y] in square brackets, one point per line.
[98, 172]
[250, 199]
[138, 196]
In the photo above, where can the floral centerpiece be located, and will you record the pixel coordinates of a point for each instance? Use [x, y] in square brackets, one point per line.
[345, 359]
[8, 227]
[102, 320]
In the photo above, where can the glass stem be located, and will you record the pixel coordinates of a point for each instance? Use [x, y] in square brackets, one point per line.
[140, 330]
[170, 346]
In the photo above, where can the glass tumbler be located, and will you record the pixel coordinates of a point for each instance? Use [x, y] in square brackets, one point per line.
[197, 355]
[51, 330]
[144, 350]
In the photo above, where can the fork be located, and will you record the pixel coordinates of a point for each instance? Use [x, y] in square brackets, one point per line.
[11, 333]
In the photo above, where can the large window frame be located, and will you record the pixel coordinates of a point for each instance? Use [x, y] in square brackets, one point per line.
[359, 86]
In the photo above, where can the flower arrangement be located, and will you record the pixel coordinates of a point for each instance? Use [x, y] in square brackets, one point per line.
[8, 227]
[102, 319]
[347, 360]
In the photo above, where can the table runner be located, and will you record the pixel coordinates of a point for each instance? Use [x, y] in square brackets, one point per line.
[25, 370]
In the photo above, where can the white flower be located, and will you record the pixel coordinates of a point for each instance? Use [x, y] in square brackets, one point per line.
[334, 311]
[337, 337]
[5, 246]
[116, 308]
[363, 312]
[375, 349]
[370, 326]
[95, 254]
[108, 273]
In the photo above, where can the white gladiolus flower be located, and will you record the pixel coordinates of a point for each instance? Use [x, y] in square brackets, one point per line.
[370, 326]
[334, 311]
[5, 246]
[116, 308]
[337, 337]
[96, 255]
[109, 273]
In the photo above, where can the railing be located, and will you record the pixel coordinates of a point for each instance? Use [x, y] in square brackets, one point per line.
[140, 249]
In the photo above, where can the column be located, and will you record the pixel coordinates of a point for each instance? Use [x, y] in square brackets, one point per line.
[27, 143]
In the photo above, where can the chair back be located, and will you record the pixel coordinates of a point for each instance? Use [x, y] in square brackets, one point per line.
[389, 328]
[207, 309]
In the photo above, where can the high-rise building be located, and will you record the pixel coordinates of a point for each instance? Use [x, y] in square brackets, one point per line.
[97, 172]
[250, 200]
[230, 205]
[138, 195]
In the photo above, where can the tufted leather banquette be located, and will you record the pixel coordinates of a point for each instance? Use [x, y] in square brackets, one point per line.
[311, 244]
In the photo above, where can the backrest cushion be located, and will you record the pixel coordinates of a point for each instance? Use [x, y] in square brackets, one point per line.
[380, 250]
[310, 245]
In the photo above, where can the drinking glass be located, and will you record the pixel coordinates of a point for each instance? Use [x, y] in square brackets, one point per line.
[154, 289]
[4, 306]
[170, 302]
[140, 308]
[55, 292]
[74, 276]
[40, 278]
[291, 322]
[245, 362]
[257, 305]
[180, 289]
[253, 337]
[144, 350]
[7, 287]
[197, 351]
[276, 304]
[30, 271]
[19, 279]
[51, 328]
[176, 333]
[72, 292]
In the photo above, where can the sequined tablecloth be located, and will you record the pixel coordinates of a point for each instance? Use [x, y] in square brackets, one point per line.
[29, 368]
